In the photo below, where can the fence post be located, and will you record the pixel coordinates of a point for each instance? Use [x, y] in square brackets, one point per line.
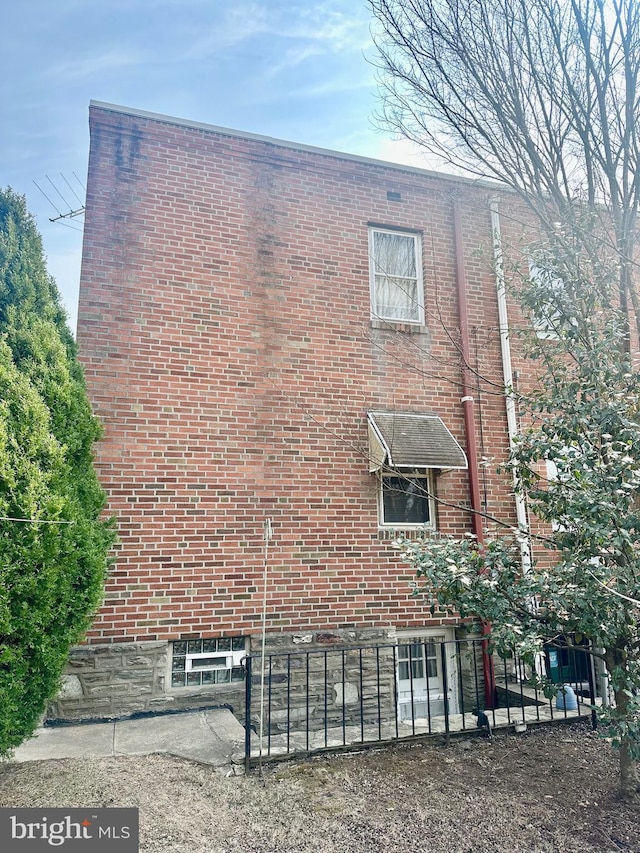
[445, 686]
[247, 714]
[592, 688]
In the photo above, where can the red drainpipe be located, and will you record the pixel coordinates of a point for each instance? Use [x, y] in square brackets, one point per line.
[470, 433]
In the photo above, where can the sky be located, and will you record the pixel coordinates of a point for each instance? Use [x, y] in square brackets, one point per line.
[299, 70]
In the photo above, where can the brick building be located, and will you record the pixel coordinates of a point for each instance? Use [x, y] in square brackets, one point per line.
[273, 338]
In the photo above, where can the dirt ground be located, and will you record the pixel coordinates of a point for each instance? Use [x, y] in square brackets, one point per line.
[551, 789]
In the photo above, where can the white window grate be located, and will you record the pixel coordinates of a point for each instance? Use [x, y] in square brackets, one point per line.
[195, 663]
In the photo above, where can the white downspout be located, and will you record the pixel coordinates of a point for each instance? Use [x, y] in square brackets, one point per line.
[507, 373]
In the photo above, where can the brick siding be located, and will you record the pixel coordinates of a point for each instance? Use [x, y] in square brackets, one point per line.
[224, 326]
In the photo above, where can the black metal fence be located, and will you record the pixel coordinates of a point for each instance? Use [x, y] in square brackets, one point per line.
[304, 701]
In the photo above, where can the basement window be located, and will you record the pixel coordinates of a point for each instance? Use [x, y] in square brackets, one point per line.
[196, 663]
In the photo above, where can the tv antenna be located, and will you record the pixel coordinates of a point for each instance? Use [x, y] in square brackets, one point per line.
[72, 211]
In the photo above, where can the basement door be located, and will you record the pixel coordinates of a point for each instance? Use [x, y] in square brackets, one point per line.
[420, 677]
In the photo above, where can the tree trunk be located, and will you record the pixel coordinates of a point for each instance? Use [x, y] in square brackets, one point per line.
[629, 780]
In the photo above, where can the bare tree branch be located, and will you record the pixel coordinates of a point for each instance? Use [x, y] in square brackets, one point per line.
[540, 95]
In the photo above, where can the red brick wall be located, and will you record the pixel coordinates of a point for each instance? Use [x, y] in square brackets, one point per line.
[224, 327]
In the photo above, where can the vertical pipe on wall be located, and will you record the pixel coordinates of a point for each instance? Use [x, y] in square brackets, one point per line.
[507, 373]
[467, 390]
[470, 429]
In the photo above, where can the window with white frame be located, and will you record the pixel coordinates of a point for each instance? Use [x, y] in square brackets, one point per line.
[406, 498]
[203, 662]
[420, 676]
[395, 264]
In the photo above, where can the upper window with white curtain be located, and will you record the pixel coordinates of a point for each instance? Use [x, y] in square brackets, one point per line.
[395, 264]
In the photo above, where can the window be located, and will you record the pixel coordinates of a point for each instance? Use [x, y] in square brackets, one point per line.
[406, 499]
[405, 450]
[418, 660]
[395, 263]
[202, 662]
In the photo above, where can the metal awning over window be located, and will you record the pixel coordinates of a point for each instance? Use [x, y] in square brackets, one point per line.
[411, 441]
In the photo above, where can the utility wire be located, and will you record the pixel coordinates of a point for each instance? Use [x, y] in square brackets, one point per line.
[33, 520]
[66, 224]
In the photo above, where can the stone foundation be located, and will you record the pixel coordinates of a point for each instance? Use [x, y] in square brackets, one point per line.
[111, 681]
[470, 668]
[320, 678]
[121, 679]
[118, 680]
[347, 673]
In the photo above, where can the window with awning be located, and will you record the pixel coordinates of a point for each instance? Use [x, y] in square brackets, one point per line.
[405, 450]
[412, 441]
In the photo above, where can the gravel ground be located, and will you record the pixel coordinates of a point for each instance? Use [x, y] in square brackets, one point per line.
[551, 789]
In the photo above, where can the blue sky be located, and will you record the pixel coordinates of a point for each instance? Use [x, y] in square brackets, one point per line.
[294, 69]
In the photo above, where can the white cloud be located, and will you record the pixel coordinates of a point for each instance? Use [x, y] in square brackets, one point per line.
[408, 153]
[332, 86]
[94, 65]
[293, 57]
[335, 28]
[241, 21]
[330, 29]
